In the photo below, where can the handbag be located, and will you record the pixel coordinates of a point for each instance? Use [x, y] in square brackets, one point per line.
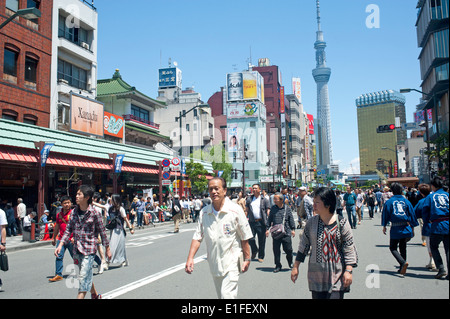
[4, 262]
[278, 231]
[112, 224]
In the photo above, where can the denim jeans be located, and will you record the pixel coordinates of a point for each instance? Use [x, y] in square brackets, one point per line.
[351, 213]
[140, 216]
[59, 259]
[85, 264]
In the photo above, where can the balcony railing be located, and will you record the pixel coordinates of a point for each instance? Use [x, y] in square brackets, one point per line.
[131, 117]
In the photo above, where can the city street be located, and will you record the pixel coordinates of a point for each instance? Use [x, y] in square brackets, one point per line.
[156, 271]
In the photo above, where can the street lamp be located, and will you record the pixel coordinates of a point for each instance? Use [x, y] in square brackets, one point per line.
[396, 156]
[179, 118]
[390, 165]
[430, 97]
[28, 13]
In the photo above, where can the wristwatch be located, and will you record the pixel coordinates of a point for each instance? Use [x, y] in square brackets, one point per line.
[349, 271]
[3, 244]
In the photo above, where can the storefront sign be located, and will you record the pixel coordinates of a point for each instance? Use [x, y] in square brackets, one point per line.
[86, 115]
[113, 125]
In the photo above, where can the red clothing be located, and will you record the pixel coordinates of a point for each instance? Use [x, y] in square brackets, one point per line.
[62, 221]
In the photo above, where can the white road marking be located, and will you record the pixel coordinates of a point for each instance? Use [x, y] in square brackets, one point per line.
[148, 280]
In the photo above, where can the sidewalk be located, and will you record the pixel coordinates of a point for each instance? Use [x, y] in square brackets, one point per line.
[15, 243]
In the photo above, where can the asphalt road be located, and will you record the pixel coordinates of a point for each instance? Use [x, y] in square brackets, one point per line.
[156, 271]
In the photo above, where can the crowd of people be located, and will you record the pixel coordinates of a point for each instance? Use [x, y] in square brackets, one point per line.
[326, 216]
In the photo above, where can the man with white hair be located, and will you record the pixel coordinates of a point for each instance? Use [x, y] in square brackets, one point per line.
[305, 207]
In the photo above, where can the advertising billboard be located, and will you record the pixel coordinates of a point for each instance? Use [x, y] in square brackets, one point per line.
[243, 109]
[113, 125]
[310, 124]
[282, 106]
[250, 85]
[245, 86]
[297, 88]
[169, 77]
[233, 139]
[235, 89]
[86, 115]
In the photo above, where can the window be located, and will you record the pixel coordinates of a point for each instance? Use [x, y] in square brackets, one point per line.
[140, 113]
[9, 115]
[441, 44]
[33, 4]
[12, 5]
[442, 72]
[74, 75]
[30, 69]
[10, 62]
[73, 33]
[30, 119]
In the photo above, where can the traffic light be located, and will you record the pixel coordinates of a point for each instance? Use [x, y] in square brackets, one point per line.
[386, 128]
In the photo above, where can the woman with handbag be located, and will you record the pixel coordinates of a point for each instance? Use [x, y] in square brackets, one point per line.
[329, 238]
[117, 219]
[282, 226]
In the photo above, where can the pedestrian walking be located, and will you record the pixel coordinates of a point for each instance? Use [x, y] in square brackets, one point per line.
[3, 225]
[281, 214]
[117, 235]
[176, 213]
[11, 229]
[424, 191]
[197, 208]
[371, 202]
[225, 229]
[305, 210]
[21, 213]
[359, 204]
[140, 210]
[349, 203]
[399, 212]
[435, 211]
[61, 221]
[257, 212]
[339, 203]
[85, 224]
[333, 256]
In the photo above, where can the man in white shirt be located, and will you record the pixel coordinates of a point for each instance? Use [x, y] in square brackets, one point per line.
[21, 213]
[225, 229]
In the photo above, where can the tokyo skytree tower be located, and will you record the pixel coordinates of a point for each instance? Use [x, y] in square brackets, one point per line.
[322, 75]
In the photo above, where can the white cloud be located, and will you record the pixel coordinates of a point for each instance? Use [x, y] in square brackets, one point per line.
[352, 167]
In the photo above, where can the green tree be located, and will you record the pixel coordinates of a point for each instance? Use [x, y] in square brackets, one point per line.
[440, 152]
[218, 157]
[197, 175]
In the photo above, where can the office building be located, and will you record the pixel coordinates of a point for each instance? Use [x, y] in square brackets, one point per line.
[376, 149]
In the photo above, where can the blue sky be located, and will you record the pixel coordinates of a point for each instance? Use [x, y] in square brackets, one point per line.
[209, 38]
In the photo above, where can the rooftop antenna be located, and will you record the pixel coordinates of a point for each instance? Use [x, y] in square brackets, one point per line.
[318, 14]
[170, 62]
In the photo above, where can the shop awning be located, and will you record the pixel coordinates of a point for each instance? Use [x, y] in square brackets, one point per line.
[18, 154]
[75, 150]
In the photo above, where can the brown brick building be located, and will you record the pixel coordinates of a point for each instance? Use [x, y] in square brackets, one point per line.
[25, 60]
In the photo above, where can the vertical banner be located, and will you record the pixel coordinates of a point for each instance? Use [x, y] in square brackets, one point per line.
[282, 108]
[310, 124]
[118, 163]
[44, 153]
